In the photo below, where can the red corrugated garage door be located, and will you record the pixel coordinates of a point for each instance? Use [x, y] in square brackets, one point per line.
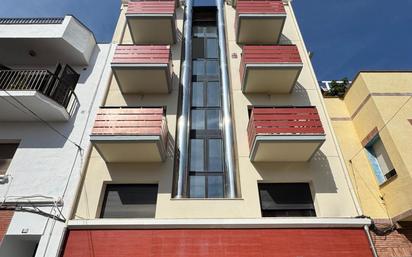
[218, 243]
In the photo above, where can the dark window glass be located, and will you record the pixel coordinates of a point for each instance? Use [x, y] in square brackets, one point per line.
[215, 186]
[7, 152]
[206, 161]
[198, 119]
[129, 201]
[198, 67]
[215, 161]
[212, 68]
[211, 31]
[197, 186]
[213, 94]
[213, 119]
[197, 155]
[198, 31]
[197, 94]
[212, 48]
[198, 48]
[286, 199]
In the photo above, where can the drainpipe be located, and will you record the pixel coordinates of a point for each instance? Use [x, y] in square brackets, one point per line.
[183, 122]
[231, 191]
[372, 246]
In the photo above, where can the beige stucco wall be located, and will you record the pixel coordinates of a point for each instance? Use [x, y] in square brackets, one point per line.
[382, 101]
[325, 172]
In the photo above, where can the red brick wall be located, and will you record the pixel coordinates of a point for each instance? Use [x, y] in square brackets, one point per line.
[396, 244]
[218, 243]
[5, 218]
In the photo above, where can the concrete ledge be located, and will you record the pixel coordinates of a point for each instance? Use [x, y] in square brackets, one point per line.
[219, 223]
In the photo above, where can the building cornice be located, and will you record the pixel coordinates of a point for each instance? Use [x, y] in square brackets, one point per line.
[219, 223]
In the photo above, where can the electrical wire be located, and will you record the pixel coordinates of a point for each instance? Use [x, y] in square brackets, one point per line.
[39, 118]
[384, 125]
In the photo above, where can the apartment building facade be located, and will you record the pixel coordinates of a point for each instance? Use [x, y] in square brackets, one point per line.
[213, 140]
[373, 123]
[50, 72]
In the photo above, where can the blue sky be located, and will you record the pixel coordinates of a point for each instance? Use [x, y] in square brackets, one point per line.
[98, 15]
[345, 35]
[351, 35]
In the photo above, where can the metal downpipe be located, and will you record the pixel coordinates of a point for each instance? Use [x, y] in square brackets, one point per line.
[183, 121]
[372, 246]
[231, 191]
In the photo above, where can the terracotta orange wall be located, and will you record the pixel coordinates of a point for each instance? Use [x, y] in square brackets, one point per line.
[218, 243]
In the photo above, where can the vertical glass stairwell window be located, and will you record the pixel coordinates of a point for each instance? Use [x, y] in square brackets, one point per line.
[206, 161]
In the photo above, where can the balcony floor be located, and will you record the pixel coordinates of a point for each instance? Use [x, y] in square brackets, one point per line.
[285, 148]
[130, 148]
[12, 110]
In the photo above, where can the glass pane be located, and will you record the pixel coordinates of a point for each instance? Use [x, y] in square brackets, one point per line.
[198, 31]
[197, 186]
[196, 155]
[215, 161]
[199, 67]
[130, 201]
[198, 48]
[212, 68]
[198, 119]
[382, 156]
[212, 46]
[213, 119]
[211, 31]
[215, 186]
[197, 94]
[213, 94]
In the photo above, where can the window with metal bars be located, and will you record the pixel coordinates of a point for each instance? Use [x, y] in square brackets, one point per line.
[206, 154]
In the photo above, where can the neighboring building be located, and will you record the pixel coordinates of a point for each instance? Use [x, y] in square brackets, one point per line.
[214, 141]
[50, 69]
[325, 85]
[373, 124]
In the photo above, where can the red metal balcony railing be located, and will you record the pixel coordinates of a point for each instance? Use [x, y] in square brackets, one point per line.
[152, 22]
[283, 121]
[131, 121]
[142, 54]
[260, 7]
[273, 54]
[259, 22]
[269, 68]
[151, 7]
[143, 68]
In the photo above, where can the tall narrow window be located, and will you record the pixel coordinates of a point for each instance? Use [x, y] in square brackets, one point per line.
[206, 161]
[379, 159]
[6, 155]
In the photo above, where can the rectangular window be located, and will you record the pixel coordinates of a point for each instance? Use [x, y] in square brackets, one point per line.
[129, 201]
[7, 152]
[286, 200]
[379, 160]
[206, 174]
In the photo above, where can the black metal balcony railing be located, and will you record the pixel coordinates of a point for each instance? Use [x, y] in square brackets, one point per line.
[13, 21]
[58, 88]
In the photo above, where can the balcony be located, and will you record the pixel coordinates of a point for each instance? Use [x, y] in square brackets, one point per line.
[131, 134]
[272, 69]
[284, 134]
[26, 94]
[152, 22]
[45, 41]
[143, 69]
[259, 22]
